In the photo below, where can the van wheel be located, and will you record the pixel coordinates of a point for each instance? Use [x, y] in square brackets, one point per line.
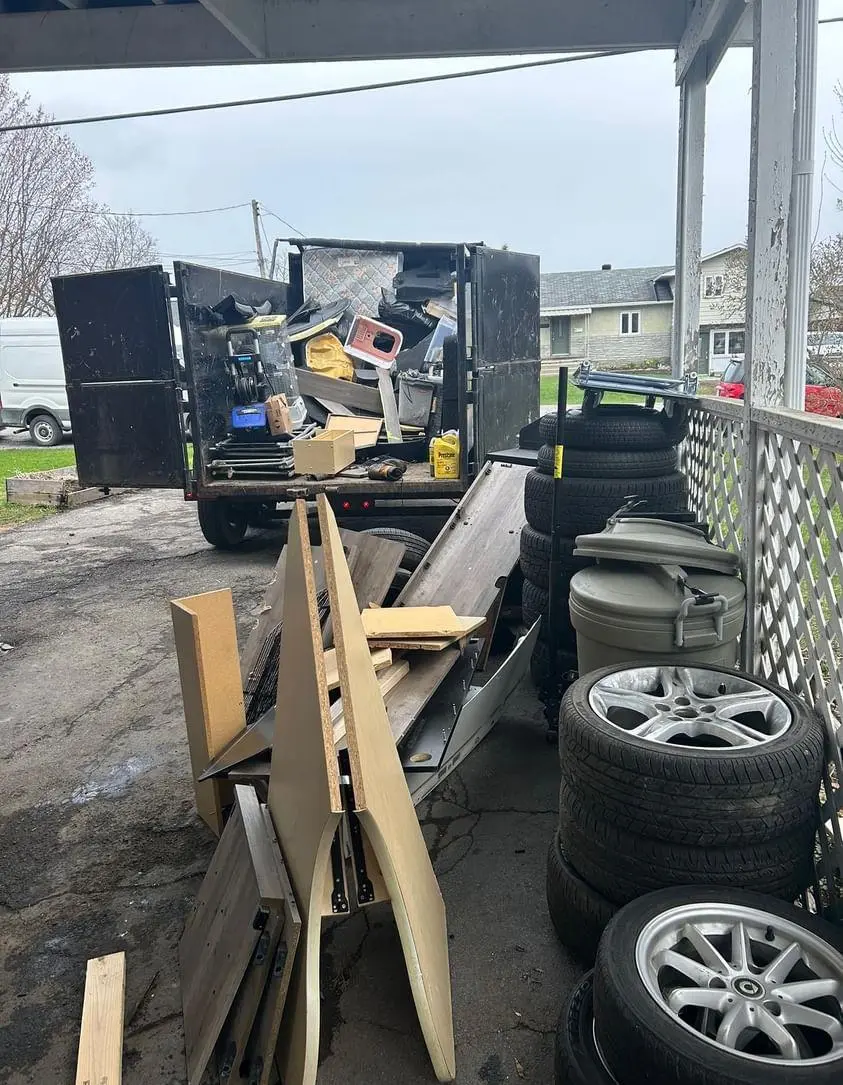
[45, 430]
[224, 523]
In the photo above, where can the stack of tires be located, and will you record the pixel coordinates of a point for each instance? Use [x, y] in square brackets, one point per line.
[612, 452]
[679, 776]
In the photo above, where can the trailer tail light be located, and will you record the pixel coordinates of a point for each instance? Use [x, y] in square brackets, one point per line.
[366, 505]
[357, 505]
[346, 506]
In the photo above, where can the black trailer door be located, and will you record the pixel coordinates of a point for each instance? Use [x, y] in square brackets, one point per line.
[505, 346]
[122, 378]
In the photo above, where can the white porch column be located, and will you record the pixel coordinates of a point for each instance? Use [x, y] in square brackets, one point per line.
[801, 205]
[689, 214]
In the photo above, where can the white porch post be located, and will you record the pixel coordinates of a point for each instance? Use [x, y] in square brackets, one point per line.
[770, 182]
[689, 214]
[801, 206]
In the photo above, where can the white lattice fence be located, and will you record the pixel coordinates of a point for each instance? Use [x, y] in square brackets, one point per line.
[713, 460]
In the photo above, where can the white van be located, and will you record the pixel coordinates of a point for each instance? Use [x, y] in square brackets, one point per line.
[33, 395]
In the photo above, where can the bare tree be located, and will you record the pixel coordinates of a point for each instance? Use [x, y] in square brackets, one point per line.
[834, 143]
[49, 223]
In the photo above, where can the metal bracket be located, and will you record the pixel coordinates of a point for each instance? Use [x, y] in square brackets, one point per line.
[365, 889]
[339, 897]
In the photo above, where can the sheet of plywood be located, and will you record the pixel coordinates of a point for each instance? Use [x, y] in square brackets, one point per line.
[481, 540]
[304, 792]
[411, 622]
[386, 812]
[426, 644]
[366, 430]
[405, 703]
[358, 396]
[218, 942]
[388, 680]
[100, 1059]
[206, 646]
[381, 658]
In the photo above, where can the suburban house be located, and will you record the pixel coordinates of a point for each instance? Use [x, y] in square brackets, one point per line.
[622, 317]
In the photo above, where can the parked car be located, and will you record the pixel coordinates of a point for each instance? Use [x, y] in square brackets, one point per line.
[823, 395]
[32, 388]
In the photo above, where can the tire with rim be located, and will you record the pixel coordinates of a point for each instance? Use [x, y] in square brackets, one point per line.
[535, 557]
[580, 463]
[578, 913]
[720, 987]
[415, 547]
[617, 427]
[588, 503]
[224, 523]
[691, 755]
[577, 1060]
[623, 865]
[45, 431]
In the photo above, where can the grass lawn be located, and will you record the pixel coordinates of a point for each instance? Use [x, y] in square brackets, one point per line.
[20, 461]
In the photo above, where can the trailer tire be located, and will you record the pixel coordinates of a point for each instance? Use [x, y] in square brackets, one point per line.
[224, 523]
[415, 547]
[579, 463]
[588, 503]
[579, 913]
[535, 557]
[45, 431]
[617, 427]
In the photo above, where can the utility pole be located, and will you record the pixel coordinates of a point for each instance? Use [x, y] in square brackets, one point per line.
[256, 214]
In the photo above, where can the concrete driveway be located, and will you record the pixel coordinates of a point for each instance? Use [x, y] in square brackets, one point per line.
[100, 847]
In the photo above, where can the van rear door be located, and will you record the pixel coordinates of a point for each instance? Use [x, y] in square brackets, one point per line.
[123, 379]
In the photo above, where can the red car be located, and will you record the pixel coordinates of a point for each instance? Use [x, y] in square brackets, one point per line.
[823, 395]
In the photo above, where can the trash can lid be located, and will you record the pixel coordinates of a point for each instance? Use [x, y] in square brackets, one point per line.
[656, 542]
[621, 591]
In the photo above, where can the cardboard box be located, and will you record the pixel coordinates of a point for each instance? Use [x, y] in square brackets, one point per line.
[278, 415]
[327, 453]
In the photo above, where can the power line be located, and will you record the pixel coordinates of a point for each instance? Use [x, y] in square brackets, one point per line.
[284, 222]
[310, 94]
[835, 19]
[150, 214]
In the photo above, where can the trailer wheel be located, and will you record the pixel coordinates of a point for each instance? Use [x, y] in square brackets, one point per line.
[224, 523]
[415, 547]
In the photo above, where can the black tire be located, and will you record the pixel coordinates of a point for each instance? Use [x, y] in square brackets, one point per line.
[578, 913]
[623, 865]
[534, 604]
[635, 1033]
[535, 557]
[617, 427]
[566, 663]
[692, 795]
[415, 546]
[224, 523]
[576, 1059]
[594, 464]
[45, 431]
[590, 502]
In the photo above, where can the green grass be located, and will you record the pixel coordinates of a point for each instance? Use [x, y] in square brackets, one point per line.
[549, 387]
[20, 461]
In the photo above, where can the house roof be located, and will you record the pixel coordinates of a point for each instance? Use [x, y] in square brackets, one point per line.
[619, 286]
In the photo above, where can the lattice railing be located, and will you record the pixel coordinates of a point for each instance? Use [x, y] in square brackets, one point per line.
[794, 546]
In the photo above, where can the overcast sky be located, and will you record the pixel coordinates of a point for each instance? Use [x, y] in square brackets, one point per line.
[575, 163]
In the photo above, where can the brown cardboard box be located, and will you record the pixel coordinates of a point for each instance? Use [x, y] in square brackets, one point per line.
[278, 415]
[327, 453]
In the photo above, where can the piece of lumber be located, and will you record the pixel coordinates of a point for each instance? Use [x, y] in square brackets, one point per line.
[218, 942]
[410, 623]
[386, 812]
[421, 644]
[206, 646]
[477, 549]
[304, 793]
[406, 702]
[270, 887]
[353, 395]
[381, 658]
[100, 1058]
[366, 430]
[388, 680]
[389, 406]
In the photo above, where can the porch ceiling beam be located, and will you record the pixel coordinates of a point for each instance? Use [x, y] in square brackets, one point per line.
[245, 19]
[711, 29]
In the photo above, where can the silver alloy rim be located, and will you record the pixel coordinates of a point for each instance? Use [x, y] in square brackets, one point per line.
[746, 981]
[690, 706]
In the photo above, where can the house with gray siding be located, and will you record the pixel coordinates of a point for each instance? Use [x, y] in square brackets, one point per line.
[623, 317]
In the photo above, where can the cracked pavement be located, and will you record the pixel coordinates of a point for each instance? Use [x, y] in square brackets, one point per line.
[101, 849]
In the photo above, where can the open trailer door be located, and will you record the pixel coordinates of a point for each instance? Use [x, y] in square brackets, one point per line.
[122, 374]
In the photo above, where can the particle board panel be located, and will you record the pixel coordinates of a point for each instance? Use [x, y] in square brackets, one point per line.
[218, 942]
[366, 430]
[405, 704]
[100, 1059]
[357, 396]
[410, 622]
[206, 647]
[388, 680]
[382, 802]
[426, 644]
[304, 792]
[478, 546]
[381, 658]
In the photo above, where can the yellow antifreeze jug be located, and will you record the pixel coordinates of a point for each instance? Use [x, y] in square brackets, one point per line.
[446, 455]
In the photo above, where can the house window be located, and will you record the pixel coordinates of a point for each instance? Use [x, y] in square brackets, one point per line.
[728, 343]
[560, 336]
[630, 323]
[713, 286]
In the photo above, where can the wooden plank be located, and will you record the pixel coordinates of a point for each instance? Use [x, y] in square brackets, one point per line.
[218, 942]
[387, 814]
[381, 658]
[477, 549]
[366, 430]
[100, 1059]
[389, 407]
[377, 563]
[206, 646]
[426, 644]
[260, 847]
[388, 680]
[405, 703]
[304, 792]
[410, 622]
[349, 394]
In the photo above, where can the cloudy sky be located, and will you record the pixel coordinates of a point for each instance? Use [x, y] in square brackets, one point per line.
[576, 163]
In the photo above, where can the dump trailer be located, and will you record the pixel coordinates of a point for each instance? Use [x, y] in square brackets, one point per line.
[126, 382]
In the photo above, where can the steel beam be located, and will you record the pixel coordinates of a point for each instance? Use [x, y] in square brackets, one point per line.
[711, 28]
[245, 19]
